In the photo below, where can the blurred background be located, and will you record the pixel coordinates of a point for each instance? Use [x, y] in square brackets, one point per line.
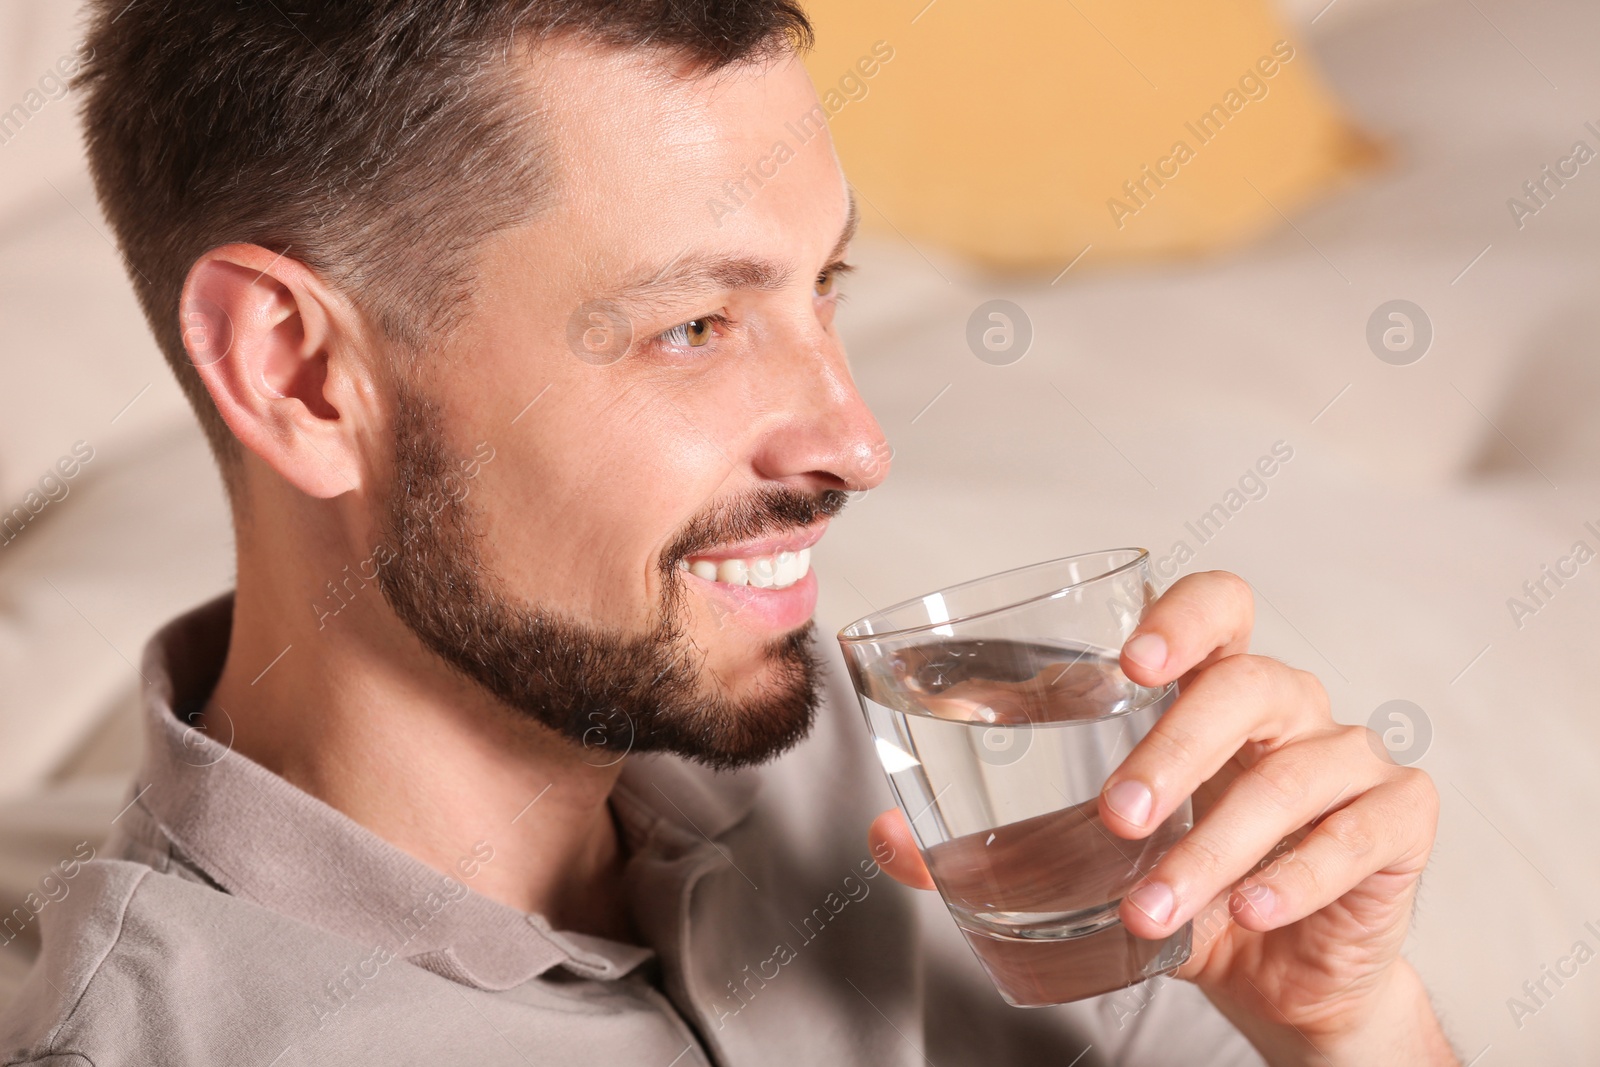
[1120, 258]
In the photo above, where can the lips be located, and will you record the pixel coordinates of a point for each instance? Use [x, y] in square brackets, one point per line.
[767, 563]
[765, 582]
[777, 571]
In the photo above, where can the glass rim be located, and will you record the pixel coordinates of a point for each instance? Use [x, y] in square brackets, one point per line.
[1139, 556]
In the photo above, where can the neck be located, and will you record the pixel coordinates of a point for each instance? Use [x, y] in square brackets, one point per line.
[360, 715]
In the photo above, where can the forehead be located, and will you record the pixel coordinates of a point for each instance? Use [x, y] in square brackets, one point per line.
[646, 152]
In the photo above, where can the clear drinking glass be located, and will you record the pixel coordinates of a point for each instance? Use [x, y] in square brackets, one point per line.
[999, 710]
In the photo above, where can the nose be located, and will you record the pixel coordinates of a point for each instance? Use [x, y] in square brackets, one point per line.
[820, 430]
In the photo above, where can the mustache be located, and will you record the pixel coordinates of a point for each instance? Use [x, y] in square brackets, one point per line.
[772, 509]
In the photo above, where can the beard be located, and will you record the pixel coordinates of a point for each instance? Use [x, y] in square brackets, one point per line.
[606, 691]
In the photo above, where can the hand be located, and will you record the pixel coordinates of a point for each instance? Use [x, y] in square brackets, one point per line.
[1306, 852]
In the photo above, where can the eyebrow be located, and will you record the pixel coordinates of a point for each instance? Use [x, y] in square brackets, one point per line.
[691, 273]
[852, 219]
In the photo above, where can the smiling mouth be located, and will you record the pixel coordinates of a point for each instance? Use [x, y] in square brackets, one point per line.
[770, 563]
[779, 570]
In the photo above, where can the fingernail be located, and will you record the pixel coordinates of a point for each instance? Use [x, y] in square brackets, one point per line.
[1154, 899]
[1131, 800]
[1148, 651]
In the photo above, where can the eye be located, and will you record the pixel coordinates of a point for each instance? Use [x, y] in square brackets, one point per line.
[696, 333]
[827, 283]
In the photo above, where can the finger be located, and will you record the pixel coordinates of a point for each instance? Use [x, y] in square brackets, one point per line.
[1266, 804]
[1387, 833]
[895, 849]
[1201, 618]
[1238, 701]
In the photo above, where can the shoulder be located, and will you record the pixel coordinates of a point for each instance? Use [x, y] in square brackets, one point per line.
[79, 930]
[144, 966]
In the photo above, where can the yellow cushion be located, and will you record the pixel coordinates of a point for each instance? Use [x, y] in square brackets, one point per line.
[1020, 132]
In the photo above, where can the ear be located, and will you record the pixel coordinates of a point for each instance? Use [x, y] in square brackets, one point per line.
[284, 360]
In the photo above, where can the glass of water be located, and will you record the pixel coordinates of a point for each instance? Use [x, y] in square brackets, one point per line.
[999, 711]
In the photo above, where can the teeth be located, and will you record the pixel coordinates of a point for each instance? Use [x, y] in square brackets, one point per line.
[777, 571]
[786, 569]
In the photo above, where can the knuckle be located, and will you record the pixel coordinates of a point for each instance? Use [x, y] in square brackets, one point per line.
[1358, 738]
[1284, 782]
[1247, 671]
[1301, 879]
[1420, 791]
[1236, 586]
[1314, 693]
[1169, 746]
[1194, 857]
[1237, 591]
[1185, 613]
[1352, 834]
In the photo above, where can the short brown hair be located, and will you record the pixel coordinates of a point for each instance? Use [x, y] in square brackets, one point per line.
[376, 141]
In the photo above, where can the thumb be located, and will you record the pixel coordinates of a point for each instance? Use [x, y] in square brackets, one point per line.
[895, 848]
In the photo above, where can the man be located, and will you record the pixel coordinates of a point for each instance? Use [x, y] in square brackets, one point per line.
[527, 452]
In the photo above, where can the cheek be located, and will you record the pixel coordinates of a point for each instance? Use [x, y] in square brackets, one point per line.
[578, 508]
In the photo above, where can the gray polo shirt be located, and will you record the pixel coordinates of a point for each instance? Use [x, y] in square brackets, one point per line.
[234, 919]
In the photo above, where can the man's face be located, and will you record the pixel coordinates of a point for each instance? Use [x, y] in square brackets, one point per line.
[653, 363]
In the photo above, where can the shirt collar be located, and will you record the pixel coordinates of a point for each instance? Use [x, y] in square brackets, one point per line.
[264, 840]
